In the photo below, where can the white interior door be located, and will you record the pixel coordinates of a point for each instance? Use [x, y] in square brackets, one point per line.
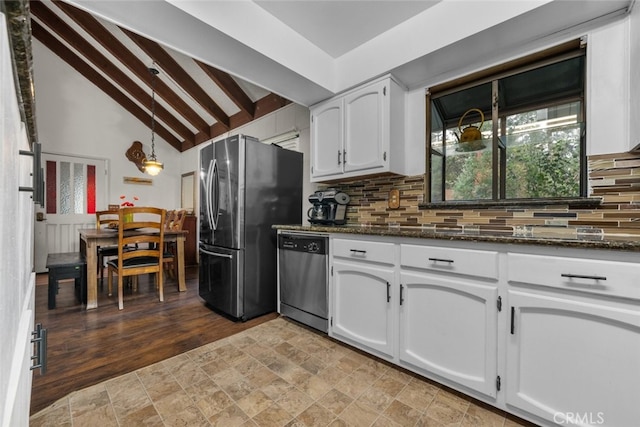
[74, 189]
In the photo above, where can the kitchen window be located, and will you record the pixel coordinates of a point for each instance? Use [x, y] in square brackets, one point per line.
[514, 132]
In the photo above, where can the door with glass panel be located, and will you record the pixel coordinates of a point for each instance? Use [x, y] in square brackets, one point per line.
[75, 187]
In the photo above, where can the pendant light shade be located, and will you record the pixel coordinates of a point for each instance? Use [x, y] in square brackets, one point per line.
[151, 164]
[153, 167]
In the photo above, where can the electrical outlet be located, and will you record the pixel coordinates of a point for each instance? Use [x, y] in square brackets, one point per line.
[394, 199]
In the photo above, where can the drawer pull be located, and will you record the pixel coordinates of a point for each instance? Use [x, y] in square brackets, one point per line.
[580, 276]
[450, 261]
[388, 291]
[358, 251]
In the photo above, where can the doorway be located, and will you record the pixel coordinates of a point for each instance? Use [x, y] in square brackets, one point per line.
[75, 187]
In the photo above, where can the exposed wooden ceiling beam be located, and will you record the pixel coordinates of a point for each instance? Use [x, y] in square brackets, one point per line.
[57, 47]
[99, 34]
[92, 26]
[230, 87]
[90, 53]
[180, 76]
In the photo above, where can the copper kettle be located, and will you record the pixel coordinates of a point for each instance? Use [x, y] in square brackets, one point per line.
[470, 133]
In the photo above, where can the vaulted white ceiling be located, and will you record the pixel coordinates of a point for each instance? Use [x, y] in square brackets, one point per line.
[337, 27]
[307, 51]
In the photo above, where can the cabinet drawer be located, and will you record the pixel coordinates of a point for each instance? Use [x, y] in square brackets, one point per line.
[450, 260]
[364, 251]
[619, 279]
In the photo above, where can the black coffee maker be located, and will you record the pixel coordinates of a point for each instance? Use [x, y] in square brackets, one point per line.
[329, 207]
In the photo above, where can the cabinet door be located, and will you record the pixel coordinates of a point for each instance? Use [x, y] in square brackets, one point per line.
[449, 327]
[362, 306]
[366, 128]
[327, 133]
[574, 359]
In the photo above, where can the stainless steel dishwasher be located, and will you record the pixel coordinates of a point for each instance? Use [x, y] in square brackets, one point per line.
[303, 264]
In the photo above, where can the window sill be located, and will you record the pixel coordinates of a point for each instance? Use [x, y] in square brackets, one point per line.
[572, 203]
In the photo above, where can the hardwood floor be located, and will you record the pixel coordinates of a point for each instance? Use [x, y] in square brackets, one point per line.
[87, 347]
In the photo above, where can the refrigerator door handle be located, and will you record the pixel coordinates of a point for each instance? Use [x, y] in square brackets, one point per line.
[216, 179]
[215, 254]
[208, 193]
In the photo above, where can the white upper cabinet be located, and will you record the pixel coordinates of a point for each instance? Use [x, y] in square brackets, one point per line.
[355, 133]
[364, 143]
[327, 135]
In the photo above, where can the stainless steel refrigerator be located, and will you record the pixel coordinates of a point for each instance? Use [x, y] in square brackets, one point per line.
[245, 187]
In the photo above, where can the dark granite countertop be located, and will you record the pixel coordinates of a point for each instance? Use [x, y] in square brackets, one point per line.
[525, 235]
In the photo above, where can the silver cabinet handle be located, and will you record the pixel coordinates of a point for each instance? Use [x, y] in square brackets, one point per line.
[450, 261]
[344, 156]
[580, 276]
[39, 359]
[388, 291]
[401, 298]
[339, 154]
[358, 251]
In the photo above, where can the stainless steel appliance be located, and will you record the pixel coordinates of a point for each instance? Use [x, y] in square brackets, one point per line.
[245, 187]
[303, 263]
[329, 207]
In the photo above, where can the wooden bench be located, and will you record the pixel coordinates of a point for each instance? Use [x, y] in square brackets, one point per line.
[68, 265]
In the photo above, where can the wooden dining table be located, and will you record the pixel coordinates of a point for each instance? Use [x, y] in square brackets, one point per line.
[91, 238]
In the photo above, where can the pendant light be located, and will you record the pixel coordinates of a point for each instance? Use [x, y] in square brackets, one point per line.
[151, 164]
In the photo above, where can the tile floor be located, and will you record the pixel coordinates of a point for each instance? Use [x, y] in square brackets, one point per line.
[276, 374]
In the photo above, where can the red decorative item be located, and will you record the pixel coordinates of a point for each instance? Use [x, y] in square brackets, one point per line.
[126, 203]
[52, 195]
[91, 189]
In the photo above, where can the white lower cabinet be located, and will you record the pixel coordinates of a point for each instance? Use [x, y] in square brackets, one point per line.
[573, 362]
[573, 357]
[449, 327]
[362, 310]
[549, 334]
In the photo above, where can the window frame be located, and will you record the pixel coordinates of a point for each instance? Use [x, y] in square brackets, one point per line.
[493, 75]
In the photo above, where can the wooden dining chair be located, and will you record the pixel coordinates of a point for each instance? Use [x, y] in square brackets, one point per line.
[106, 219]
[168, 219]
[170, 251]
[140, 244]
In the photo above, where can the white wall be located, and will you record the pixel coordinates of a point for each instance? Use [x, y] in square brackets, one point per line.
[75, 117]
[291, 117]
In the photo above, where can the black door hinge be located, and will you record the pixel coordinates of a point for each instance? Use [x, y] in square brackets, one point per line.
[499, 303]
[498, 383]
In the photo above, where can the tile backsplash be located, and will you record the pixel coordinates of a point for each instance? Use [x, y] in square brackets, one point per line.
[613, 177]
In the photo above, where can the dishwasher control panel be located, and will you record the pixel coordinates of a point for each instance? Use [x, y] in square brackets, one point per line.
[304, 243]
